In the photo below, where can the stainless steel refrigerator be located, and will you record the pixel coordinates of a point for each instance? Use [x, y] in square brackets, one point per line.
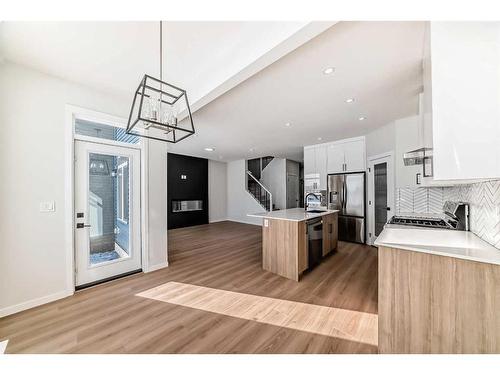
[346, 193]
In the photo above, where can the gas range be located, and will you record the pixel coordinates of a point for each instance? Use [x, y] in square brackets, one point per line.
[455, 216]
[426, 222]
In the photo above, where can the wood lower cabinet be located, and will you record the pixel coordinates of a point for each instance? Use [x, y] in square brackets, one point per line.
[330, 233]
[437, 304]
[285, 246]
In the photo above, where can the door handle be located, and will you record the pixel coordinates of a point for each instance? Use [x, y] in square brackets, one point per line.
[345, 196]
[388, 208]
[82, 225]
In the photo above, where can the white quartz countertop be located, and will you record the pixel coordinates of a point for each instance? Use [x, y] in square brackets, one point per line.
[292, 214]
[452, 243]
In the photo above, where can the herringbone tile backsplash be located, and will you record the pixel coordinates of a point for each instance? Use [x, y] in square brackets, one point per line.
[483, 198]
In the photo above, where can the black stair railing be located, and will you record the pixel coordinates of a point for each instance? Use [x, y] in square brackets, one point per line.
[259, 192]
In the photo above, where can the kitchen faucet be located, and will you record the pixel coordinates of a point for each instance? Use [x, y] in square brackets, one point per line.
[306, 205]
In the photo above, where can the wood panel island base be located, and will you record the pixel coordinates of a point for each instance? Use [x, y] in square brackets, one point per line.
[285, 243]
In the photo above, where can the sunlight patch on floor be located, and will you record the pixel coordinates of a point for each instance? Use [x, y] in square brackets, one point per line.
[330, 321]
[3, 346]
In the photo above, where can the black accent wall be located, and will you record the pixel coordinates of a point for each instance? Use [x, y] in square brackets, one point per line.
[187, 179]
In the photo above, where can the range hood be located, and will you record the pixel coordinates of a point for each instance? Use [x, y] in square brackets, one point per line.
[422, 155]
[418, 156]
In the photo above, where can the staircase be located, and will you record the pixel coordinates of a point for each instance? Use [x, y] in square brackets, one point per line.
[254, 186]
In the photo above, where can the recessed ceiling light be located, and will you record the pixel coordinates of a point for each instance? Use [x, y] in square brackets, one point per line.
[319, 138]
[362, 118]
[209, 149]
[350, 100]
[251, 150]
[329, 70]
[288, 124]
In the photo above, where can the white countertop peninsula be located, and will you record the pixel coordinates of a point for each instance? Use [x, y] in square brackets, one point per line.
[292, 214]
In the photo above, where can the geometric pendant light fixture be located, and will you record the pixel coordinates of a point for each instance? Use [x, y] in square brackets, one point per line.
[157, 107]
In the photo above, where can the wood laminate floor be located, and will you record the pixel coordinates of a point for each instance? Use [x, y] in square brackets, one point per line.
[213, 298]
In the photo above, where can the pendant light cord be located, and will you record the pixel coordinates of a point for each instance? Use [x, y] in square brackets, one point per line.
[161, 71]
[161, 51]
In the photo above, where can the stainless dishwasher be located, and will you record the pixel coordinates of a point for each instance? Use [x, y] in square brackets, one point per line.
[314, 241]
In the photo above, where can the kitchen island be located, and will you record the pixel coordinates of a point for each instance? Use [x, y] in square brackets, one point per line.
[438, 292]
[285, 249]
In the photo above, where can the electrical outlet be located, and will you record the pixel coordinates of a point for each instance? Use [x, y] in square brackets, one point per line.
[49, 206]
[266, 223]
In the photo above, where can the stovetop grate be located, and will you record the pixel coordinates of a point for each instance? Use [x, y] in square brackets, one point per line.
[420, 222]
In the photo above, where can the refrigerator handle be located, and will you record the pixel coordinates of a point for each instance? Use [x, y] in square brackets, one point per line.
[345, 195]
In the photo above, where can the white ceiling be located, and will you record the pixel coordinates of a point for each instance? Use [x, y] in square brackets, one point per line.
[113, 56]
[377, 63]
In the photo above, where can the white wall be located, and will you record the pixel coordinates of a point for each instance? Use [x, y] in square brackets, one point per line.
[399, 136]
[407, 139]
[273, 177]
[381, 140]
[217, 191]
[157, 204]
[33, 251]
[239, 201]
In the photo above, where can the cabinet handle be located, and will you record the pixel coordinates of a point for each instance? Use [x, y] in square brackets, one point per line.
[330, 230]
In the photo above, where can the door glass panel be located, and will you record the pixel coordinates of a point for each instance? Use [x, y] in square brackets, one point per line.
[109, 191]
[112, 133]
[380, 179]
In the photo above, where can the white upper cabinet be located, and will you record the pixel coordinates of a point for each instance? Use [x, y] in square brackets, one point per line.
[462, 68]
[321, 162]
[336, 158]
[355, 159]
[309, 161]
[347, 156]
[315, 167]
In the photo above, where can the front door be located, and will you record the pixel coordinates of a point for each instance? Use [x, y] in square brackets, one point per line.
[107, 211]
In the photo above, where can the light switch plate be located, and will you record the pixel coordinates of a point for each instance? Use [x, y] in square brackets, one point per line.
[49, 206]
[266, 223]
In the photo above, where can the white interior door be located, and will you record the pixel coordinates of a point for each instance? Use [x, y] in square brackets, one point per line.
[381, 194]
[107, 211]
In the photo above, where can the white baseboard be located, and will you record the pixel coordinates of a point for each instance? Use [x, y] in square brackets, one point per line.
[244, 222]
[218, 220]
[34, 303]
[156, 267]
